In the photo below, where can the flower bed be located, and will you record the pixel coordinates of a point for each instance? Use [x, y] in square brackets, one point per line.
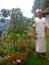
[18, 54]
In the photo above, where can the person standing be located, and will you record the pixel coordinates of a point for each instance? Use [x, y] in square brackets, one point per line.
[40, 29]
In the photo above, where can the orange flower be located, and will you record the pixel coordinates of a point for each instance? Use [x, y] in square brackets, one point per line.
[14, 58]
[22, 56]
[10, 54]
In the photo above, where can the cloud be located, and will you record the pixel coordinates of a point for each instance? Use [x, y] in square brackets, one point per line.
[24, 5]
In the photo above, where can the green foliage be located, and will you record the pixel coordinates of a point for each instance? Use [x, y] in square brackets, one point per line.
[16, 24]
[44, 4]
[1, 53]
[36, 5]
[0, 32]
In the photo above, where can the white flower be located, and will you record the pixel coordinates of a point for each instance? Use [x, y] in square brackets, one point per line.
[18, 60]
[13, 62]
[6, 57]
[0, 58]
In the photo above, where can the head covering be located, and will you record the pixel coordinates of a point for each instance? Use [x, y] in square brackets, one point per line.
[38, 10]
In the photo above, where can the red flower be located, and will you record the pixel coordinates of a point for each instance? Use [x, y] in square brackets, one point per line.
[24, 41]
[33, 36]
[10, 54]
[14, 58]
[22, 56]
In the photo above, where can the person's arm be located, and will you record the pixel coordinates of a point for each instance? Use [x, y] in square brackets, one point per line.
[34, 27]
[35, 32]
[46, 33]
[46, 25]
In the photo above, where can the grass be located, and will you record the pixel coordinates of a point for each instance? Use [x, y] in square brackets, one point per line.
[38, 61]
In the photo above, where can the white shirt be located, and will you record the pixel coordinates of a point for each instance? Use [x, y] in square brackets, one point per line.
[40, 25]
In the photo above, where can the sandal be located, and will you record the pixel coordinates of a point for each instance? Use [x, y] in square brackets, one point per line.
[46, 58]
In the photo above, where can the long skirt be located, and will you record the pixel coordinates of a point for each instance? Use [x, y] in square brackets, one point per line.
[40, 45]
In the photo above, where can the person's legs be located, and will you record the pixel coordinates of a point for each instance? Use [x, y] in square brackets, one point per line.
[38, 54]
[42, 55]
[45, 56]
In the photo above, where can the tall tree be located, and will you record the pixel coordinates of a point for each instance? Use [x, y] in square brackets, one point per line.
[36, 5]
[44, 4]
[15, 24]
[19, 25]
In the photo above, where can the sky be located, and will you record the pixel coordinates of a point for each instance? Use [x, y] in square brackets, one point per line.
[24, 5]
